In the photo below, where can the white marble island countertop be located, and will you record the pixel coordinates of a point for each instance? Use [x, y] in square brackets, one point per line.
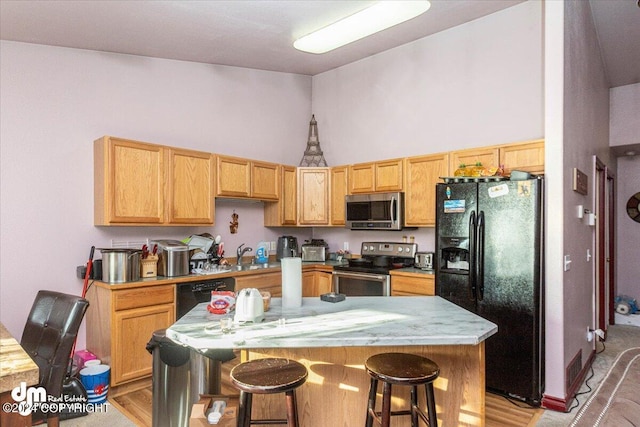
[357, 321]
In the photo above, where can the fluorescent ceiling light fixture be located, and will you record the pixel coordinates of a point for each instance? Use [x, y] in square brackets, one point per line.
[378, 17]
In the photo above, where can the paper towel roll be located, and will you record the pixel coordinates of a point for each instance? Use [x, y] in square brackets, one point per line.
[291, 282]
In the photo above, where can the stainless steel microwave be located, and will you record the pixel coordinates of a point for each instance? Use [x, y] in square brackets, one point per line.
[377, 211]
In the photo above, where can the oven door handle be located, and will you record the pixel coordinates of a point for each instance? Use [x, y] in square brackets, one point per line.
[370, 276]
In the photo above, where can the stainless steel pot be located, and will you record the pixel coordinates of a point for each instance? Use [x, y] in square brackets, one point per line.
[120, 265]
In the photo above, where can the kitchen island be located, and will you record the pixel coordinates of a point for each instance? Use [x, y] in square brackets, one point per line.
[333, 340]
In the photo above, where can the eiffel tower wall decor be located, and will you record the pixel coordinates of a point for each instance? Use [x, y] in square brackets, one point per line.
[313, 154]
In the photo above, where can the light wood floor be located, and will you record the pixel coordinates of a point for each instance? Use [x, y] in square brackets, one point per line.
[499, 411]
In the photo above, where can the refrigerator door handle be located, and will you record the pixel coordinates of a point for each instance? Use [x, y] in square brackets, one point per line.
[472, 255]
[480, 256]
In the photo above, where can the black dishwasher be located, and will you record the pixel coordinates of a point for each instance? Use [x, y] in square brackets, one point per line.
[193, 293]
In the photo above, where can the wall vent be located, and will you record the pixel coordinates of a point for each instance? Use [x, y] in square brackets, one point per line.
[572, 373]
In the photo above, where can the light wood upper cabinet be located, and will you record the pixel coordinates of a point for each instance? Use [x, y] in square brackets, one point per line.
[362, 178]
[487, 156]
[243, 178]
[265, 180]
[339, 187]
[422, 173]
[128, 182]
[190, 184]
[313, 196]
[234, 176]
[526, 156]
[373, 177]
[389, 175]
[285, 210]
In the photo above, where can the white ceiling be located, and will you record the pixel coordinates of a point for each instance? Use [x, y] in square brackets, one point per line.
[259, 34]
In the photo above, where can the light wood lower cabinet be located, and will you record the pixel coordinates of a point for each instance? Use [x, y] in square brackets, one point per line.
[120, 323]
[315, 283]
[412, 284]
[269, 282]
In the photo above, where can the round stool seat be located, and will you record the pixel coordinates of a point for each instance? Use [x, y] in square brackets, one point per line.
[266, 376]
[402, 368]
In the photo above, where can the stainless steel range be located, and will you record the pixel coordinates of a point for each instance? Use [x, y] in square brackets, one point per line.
[369, 275]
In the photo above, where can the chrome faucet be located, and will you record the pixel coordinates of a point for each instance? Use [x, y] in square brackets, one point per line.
[240, 252]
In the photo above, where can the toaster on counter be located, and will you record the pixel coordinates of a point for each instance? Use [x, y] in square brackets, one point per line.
[314, 253]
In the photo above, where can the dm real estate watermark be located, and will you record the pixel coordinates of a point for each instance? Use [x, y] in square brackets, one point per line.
[29, 399]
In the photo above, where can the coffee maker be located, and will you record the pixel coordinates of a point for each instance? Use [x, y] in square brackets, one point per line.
[287, 247]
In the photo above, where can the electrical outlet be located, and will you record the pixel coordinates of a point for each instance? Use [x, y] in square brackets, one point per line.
[567, 262]
[345, 246]
[589, 334]
[272, 246]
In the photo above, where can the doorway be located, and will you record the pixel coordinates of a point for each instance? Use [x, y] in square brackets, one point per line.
[604, 284]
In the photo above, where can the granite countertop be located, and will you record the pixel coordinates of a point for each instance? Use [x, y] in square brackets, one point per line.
[15, 364]
[412, 270]
[271, 268]
[356, 321]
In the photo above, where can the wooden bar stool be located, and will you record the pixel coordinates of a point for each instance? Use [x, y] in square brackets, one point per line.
[401, 369]
[268, 376]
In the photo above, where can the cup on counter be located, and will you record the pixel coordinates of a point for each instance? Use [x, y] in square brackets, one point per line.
[266, 300]
[226, 324]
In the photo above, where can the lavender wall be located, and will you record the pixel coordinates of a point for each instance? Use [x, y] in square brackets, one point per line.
[585, 135]
[625, 132]
[476, 84]
[56, 101]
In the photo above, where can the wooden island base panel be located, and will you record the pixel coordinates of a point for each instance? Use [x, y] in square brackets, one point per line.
[335, 393]
[334, 340]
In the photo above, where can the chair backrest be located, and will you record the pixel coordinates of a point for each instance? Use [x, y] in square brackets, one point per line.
[50, 333]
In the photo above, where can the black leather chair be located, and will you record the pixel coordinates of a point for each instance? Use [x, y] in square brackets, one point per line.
[48, 337]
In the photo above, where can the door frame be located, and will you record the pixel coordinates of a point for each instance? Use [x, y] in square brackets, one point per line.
[604, 274]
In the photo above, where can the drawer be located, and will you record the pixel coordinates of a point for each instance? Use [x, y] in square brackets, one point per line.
[143, 297]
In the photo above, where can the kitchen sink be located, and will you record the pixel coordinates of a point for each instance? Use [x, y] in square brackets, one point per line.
[246, 267]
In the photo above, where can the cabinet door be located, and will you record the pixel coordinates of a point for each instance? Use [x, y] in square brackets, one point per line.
[362, 178]
[265, 181]
[132, 331]
[308, 283]
[488, 156]
[234, 177]
[528, 157]
[422, 174]
[313, 206]
[285, 210]
[339, 185]
[315, 283]
[129, 182]
[270, 282]
[418, 284]
[324, 282]
[388, 175]
[190, 182]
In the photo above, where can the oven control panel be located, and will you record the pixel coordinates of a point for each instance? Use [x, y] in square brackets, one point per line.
[404, 250]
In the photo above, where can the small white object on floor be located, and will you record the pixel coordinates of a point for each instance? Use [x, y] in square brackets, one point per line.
[217, 409]
[628, 319]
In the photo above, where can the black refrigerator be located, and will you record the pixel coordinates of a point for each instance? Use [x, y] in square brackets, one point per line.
[489, 260]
